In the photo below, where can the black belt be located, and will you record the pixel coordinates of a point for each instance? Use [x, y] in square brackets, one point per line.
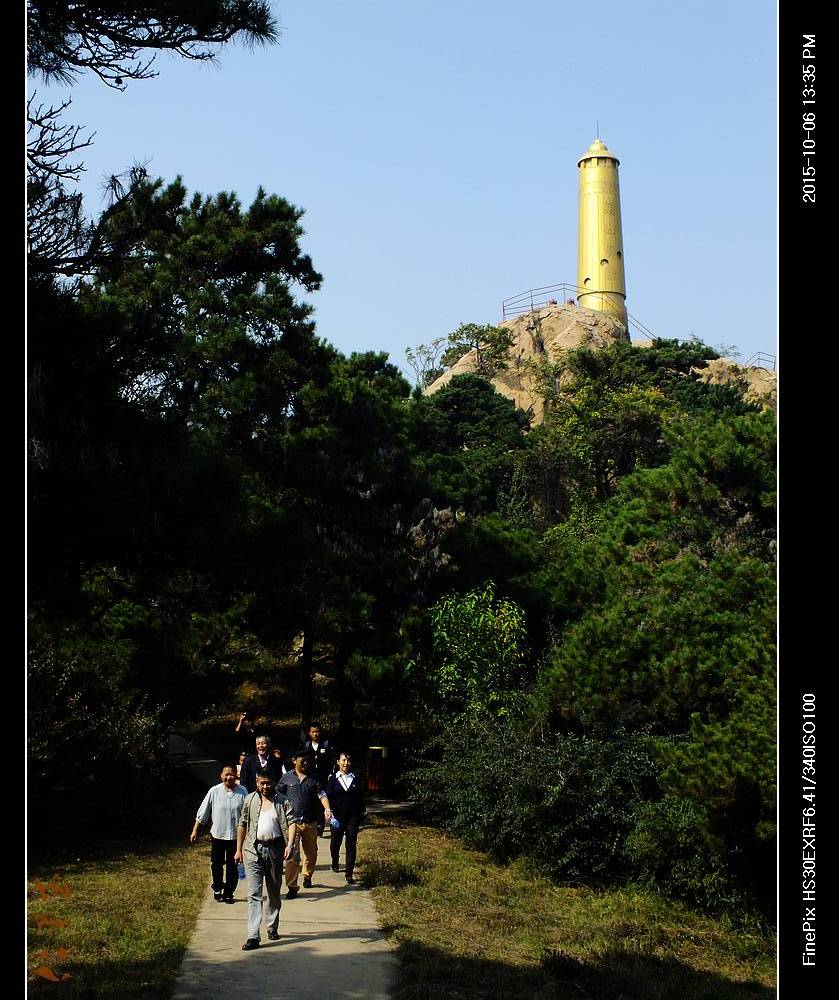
[268, 843]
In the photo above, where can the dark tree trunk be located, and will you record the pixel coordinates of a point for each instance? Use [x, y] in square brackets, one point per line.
[306, 705]
[346, 700]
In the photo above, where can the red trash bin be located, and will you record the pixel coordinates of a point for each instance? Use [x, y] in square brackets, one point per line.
[377, 770]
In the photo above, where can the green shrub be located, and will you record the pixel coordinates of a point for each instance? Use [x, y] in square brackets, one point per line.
[585, 809]
[568, 802]
[478, 661]
[670, 849]
[85, 734]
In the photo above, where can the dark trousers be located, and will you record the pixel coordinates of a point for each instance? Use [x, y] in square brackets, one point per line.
[224, 868]
[349, 826]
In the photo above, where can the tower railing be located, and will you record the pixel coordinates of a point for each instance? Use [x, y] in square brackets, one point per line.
[538, 298]
[566, 294]
[760, 359]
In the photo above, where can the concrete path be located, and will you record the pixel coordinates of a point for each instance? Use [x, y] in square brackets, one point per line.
[330, 947]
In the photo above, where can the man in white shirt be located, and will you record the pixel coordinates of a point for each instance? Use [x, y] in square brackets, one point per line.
[222, 809]
[267, 836]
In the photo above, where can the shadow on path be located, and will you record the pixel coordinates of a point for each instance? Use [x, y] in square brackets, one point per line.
[431, 974]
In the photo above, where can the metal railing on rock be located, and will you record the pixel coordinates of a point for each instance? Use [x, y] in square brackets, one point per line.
[566, 294]
[760, 359]
[549, 295]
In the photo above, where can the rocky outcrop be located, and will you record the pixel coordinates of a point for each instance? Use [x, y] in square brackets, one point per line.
[544, 334]
[758, 385]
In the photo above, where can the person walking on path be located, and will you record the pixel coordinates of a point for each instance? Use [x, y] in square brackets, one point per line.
[266, 837]
[324, 763]
[346, 794]
[305, 794]
[221, 810]
[261, 759]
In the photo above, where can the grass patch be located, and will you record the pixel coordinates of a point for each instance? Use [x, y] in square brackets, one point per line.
[466, 928]
[116, 916]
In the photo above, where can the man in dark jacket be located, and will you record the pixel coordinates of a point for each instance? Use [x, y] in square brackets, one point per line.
[257, 761]
[324, 762]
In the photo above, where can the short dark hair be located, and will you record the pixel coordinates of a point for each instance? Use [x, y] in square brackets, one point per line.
[266, 772]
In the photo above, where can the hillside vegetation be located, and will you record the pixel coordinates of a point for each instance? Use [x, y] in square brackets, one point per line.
[588, 603]
[608, 646]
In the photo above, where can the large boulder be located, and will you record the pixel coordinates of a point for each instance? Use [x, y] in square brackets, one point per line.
[758, 385]
[543, 334]
[546, 334]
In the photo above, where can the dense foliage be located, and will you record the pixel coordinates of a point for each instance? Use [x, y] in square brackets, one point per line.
[207, 477]
[653, 579]
[593, 659]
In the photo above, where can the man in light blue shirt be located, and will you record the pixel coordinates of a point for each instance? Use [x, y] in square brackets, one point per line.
[221, 809]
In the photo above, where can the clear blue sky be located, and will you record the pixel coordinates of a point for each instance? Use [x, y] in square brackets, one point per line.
[434, 147]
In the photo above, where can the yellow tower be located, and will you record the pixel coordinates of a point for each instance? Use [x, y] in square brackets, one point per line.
[600, 251]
